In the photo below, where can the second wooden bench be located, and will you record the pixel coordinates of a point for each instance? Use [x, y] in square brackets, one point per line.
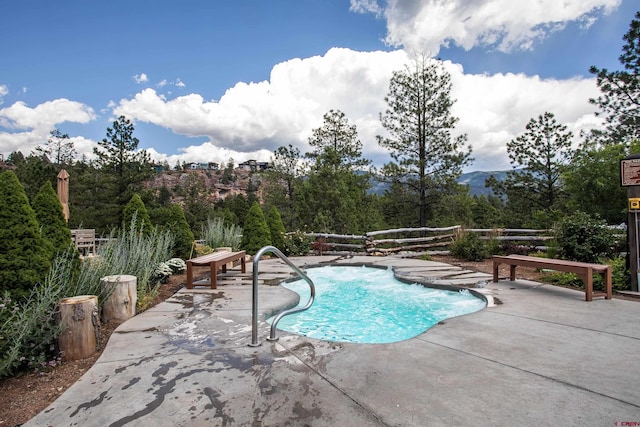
[582, 269]
[214, 261]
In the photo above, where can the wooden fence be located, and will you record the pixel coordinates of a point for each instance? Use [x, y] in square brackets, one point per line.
[421, 239]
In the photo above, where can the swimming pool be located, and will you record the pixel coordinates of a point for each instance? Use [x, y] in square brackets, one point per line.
[369, 305]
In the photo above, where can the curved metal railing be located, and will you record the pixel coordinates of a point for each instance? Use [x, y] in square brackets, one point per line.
[254, 313]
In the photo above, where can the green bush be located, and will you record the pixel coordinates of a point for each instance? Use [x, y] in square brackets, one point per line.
[182, 234]
[24, 255]
[276, 228]
[135, 215]
[297, 243]
[619, 280]
[468, 246]
[584, 238]
[216, 234]
[49, 214]
[255, 234]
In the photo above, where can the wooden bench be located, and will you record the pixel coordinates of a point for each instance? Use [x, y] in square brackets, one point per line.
[582, 269]
[214, 261]
[85, 240]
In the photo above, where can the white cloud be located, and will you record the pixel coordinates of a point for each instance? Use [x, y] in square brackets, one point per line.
[29, 127]
[179, 83]
[4, 90]
[426, 25]
[251, 117]
[140, 78]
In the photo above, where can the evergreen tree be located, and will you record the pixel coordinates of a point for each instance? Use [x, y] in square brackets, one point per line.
[427, 159]
[282, 182]
[24, 260]
[123, 166]
[538, 158]
[255, 234]
[620, 99]
[276, 228]
[49, 214]
[136, 208]
[59, 149]
[182, 234]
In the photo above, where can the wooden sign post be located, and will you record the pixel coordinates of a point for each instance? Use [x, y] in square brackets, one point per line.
[630, 178]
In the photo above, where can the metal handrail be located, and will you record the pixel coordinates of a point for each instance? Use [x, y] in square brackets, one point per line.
[254, 313]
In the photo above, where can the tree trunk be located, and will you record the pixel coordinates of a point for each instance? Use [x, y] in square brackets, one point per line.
[120, 305]
[80, 327]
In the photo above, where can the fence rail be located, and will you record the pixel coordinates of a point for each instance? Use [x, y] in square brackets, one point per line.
[420, 239]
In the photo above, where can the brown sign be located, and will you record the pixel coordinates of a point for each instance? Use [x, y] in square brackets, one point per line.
[630, 172]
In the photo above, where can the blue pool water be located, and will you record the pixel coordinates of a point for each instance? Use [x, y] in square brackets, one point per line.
[369, 305]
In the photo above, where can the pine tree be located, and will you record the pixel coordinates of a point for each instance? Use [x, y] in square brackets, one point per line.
[49, 214]
[182, 234]
[255, 233]
[136, 207]
[276, 228]
[24, 260]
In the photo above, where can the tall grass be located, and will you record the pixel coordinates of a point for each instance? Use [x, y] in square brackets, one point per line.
[216, 234]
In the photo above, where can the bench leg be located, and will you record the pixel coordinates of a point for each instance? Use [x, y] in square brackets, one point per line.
[608, 282]
[243, 263]
[587, 278]
[495, 271]
[189, 275]
[512, 272]
[213, 281]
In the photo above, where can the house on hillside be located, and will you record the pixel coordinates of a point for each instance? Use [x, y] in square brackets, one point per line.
[254, 166]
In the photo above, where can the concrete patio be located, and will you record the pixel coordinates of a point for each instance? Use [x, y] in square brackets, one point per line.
[540, 355]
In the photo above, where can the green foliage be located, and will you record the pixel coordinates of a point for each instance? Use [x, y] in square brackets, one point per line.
[276, 228]
[24, 255]
[282, 181]
[297, 243]
[468, 246]
[255, 234]
[619, 281]
[538, 157]
[426, 157]
[182, 234]
[217, 234]
[584, 238]
[620, 93]
[49, 214]
[135, 215]
[33, 171]
[592, 181]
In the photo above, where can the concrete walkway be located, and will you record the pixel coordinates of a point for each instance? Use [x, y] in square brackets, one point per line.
[540, 356]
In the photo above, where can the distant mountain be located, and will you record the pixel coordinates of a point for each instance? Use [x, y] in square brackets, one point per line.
[475, 181]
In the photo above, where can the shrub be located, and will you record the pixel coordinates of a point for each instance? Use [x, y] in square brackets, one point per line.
[135, 215]
[24, 257]
[297, 243]
[255, 234]
[468, 246]
[182, 234]
[276, 228]
[217, 234]
[49, 214]
[583, 238]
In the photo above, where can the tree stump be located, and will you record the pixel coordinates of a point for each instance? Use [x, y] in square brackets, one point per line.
[80, 327]
[122, 297]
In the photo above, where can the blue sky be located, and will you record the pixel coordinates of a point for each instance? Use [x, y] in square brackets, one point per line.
[213, 80]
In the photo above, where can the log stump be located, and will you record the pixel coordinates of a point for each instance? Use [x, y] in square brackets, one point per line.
[80, 327]
[120, 304]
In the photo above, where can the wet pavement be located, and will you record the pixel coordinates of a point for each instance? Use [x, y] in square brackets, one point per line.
[537, 355]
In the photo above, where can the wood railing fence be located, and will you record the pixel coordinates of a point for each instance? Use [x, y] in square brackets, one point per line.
[384, 242]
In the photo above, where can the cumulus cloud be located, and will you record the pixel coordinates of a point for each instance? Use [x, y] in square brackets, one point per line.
[426, 25]
[28, 127]
[4, 90]
[141, 78]
[253, 119]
